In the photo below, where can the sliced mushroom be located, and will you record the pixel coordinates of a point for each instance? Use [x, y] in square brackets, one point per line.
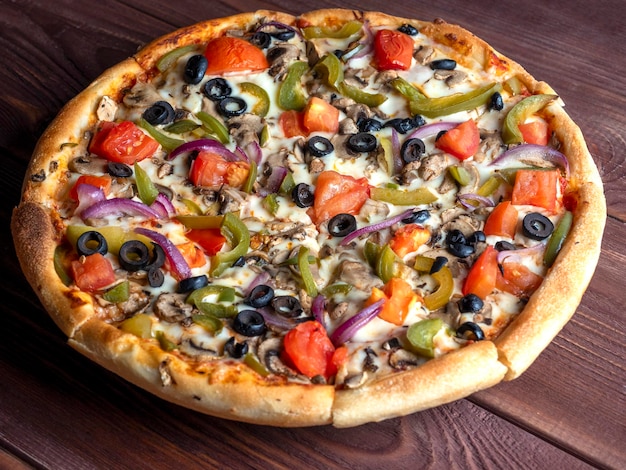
[279, 58]
[230, 199]
[433, 166]
[423, 54]
[355, 380]
[269, 355]
[88, 165]
[372, 210]
[357, 275]
[141, 95]
[401, 359]
[245, 129]
[106, 109]
[172, 308]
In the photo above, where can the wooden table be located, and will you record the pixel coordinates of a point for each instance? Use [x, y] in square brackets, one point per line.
[58, 410]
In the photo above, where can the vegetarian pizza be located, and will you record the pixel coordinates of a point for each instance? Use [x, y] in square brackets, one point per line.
[336, 218]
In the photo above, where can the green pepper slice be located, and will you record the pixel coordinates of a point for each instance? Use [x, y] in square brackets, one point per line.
[139, 325]
[348, 29]
[329, 68]
[201, 221]
[445, 105]
[168, 59]
[460, 174]
[421, 334]
[224, 294]
[334, 289]
[146, 189]
[262, 105]
[218, 310]
[444, 279]
[168, 143]
[210, 323]
[305, 271]
[253, 362]
[270, 203]
[490, 186]
[114, 235]
[518, 114]
[406, 89]
[252, 174]
[558, 238]
[369, 99]
[60, 253]
[399, 197]
[287, 185]
[290, 93]
[214, 126]
[165, 344]
[182, 126]
[386, 264]
[118, 293]
[238, 236]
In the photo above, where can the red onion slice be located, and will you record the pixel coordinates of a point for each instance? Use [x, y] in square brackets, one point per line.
[119, 206]
[432, 129]
[163, 206]
[376, 227]
[209, 145]
[278, 25]
[274, 180]
[263, 278]
[350, 327]
[88, 195]
[465, 199]
[533, 152]
[178, 265]
[395, 148]
[317, 309]
[516, 255]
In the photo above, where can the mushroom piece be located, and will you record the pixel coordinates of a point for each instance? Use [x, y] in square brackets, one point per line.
[279, 58]
[230, 199]
[269, 355]
[357, 275]
[106, 109]
[88, 165]
[401, 359]
[197, 348]
[245, 129]
[172, 308]
[433, 166]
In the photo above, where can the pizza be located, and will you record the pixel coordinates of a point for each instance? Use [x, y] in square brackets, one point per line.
[335, 218]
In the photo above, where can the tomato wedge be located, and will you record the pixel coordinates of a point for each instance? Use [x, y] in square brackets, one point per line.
[210, 239]
[211, 169]
[393, 50]
[398, 297]
[482, 277]
[502, 221]
[461, 141]
[535, 132]
[92, 273]
[123, 142]
[408, 239]
[309, 349]
[292, 123]
[536, 188]
[193, 255]
[103, 182]
[517, 279]
[320, 116]
[337, 194]
[229, 54]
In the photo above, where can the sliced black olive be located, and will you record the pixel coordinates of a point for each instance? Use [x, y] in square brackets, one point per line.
[495, 102]
[470, 327]
[440, 262]
[402, 125]
[133, 256]
[260, 296]
[412, 150]
[119, 170]
[408, 29]
[91, 242]
[341, 225]
[195, 69]
[443, 64]
[261, 39]
[232, 106]
[302, 195]
[240, 262]
[249, 323]
[369, 125]
[217, 89]
[470, 303]
[362, 142]
[458, 245]
[192, 283]
[418, 121]
[234, 349]
[319, 146]
[160, 112]
[537, 226]
[503, 245]
[477, 237]
[158, 257]
[417, 217]
[155, 277]
[287, 306]
[283, 34]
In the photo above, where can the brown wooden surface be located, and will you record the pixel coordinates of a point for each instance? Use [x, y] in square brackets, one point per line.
[59, 410]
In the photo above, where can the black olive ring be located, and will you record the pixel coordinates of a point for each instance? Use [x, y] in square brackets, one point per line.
[85, 241]
[470, 327]
[133, 256]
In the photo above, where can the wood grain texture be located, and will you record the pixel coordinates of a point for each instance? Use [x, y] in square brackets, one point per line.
[58, 410]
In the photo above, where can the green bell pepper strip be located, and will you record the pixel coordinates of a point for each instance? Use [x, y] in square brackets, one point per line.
[238, 236]
[165, 344]
[385, 144]
[558, 238]
[182, 126]
[201, 221]
[262, 106]
[518, 114]
[192, 206]
[168, 59]
[218, 310]
[265, 136]
[146, 189]
[214, 126]
[287, 185]
[139, 325]
[444, 279]
[369, 99]
[490, 186]
[252, 361]
[317, 32]
[60, 253]
[252, 174]
[270, 203]
[386, 264]
[291, 96]
[210, 323]
[118, 293]
[114, 235]
[421, 334]
[460, 174]
[305, 271]
[371, 251]
[168, 143]
[224, 294]
[406, 89]
[445, 105]
[334, 289]
[399, 197]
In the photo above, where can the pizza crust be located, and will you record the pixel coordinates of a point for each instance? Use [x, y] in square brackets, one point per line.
[231, 391]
